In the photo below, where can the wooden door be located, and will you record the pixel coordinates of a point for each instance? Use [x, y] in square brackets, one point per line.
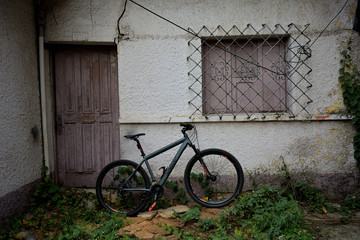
[87, 112]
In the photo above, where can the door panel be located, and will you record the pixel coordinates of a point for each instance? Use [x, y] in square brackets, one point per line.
[87, 103]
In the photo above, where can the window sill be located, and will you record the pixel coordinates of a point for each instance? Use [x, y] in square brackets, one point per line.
[239, 118]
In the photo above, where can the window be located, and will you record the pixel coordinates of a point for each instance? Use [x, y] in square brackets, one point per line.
[250, 71]
[244, 76]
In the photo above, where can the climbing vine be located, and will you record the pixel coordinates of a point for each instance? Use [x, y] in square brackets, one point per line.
[350, 84]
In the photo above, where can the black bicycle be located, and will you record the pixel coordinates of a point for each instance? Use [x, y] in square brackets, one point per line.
[213, 178]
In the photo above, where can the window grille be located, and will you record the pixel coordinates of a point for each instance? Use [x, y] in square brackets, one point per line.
[250, 71]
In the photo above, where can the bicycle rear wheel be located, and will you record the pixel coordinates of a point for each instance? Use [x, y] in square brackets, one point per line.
[220, 185]
[117, 195]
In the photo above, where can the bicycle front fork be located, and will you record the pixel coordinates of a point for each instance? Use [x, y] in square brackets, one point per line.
[203, 165]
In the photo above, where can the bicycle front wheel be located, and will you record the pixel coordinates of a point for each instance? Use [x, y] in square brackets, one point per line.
[119, 193]
[213, 178]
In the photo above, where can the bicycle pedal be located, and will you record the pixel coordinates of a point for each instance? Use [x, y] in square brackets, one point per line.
[152, 206]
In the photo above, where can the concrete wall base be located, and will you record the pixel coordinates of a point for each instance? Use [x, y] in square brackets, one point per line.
[333, 185]
[15, 203]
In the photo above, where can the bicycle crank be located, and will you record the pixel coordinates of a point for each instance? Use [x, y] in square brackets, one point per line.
[158, 191]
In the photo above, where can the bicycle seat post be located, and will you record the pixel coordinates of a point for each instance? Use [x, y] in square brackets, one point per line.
[139, 147]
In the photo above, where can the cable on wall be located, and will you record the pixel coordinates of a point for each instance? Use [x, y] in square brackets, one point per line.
[118, 21]
[329, 23]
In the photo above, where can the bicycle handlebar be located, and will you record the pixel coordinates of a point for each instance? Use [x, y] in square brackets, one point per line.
[186, 126]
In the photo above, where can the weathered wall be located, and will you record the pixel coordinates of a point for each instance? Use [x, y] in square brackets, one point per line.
[82, 21]
[154, 85]
[155, 50]
[20, 151]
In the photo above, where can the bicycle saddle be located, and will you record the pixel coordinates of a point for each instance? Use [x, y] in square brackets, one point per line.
[134, 136]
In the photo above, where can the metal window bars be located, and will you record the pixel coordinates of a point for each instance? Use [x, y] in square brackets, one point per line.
[250, 71]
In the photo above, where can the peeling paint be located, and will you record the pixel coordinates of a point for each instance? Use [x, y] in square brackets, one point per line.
[321, 117]
[352, 11]
[336, 108]
[331, 148]
[338, 24]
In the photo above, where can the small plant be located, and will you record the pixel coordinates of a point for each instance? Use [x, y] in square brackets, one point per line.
[181, 196]
[45, 193]
[204, 183]
[174, 231]
[302, 192]
[206, 224]
[108, 228]
[180, 192]
[349, 78]
[305, 193]
[173, 185]
[352, 203]
[190, 215]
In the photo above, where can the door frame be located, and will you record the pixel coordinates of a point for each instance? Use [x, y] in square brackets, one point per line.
[51, 93]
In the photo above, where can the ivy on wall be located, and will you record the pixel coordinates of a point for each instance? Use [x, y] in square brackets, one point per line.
[350, 84]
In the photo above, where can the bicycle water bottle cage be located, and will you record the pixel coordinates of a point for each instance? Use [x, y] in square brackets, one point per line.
[134, 136]
[163, 170]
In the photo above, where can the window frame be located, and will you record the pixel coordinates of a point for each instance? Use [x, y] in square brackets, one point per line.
[234, 100]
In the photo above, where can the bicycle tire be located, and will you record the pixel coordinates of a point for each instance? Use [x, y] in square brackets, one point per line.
[115, 200]
[218, 192]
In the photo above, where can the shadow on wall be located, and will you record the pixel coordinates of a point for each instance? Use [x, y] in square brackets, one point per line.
[15, 203]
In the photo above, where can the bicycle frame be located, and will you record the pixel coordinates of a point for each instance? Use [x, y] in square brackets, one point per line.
[125, 186]
[184, 141]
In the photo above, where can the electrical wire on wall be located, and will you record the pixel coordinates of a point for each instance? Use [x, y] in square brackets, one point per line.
[321, 33]
[118, 21]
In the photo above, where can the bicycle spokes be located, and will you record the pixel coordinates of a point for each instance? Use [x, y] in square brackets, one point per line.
[121, 188]
[214, 179]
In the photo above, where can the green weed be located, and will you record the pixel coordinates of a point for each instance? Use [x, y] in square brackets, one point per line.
[264, 214]
[303, 192]
[190, 215]
[206, 224]
[352, 204]
[61, 213]
[180, 192]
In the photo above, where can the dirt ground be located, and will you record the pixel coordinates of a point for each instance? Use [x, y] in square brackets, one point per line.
[150, 225]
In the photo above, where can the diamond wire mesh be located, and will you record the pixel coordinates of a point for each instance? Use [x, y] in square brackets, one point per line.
[250, 71]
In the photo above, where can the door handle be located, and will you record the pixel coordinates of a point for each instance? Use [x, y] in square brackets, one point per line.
[59, 123]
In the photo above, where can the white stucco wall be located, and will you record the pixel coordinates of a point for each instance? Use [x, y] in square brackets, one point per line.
[316, 147]
[153, 80]
[20, 154]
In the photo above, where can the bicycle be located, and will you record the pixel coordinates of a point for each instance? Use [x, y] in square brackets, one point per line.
[213, 177]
